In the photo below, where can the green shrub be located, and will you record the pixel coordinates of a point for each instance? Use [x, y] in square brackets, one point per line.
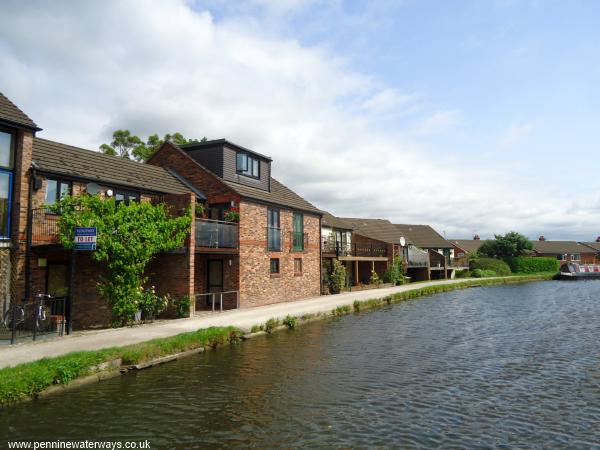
[374, 279]
[395, 274]
[182, 306]
[290, 321]
[465, 273]
[341, 310]
[482, 273]
[256, 328]
[356, 305]
[499, 267]
[337, 277]
[271, 324]
[533, 264]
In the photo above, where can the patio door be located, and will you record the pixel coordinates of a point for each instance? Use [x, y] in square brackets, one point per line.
[214, 275]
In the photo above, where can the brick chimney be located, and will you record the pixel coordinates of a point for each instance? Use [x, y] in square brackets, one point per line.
[598, 239]
[476, 237]
[541, 238]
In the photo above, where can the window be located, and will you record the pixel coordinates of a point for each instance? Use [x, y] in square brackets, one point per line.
[55, 190]
[5, 203]
[297, 266]
[126, 196]
[562, 257]
[298, 233]
[274, 266]
[6, 150]
[247, 165]
[575, 257]
[273, 230]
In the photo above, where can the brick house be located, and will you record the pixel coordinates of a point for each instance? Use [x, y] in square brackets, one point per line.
[271, 252]
[463, 248]
[565, 251]
[360, 254]
[59, 169]
[16, 135]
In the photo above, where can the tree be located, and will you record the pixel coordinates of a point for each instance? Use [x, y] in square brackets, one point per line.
[129, 146]
[510, 245]
[129, 236]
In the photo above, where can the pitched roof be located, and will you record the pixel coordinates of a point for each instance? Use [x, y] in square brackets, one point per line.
[468, 245]
[423, 236]
[379, 229]
[560, 247]
[278, 195]
[10, 112]
[57, 158]
[329, 220]
[594, 245]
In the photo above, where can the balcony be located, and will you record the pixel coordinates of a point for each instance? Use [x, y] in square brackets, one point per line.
[44, 227]
[299, 241]
[417, 257]
[274, 239]
[216, 234]
[341, 249]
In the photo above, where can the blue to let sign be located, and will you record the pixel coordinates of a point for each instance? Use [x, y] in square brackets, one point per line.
[85, 238]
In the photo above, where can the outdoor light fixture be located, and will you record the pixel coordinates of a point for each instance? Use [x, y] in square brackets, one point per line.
[109, 192]
[229, 263]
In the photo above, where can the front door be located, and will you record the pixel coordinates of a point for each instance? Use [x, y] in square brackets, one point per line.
[215, 275]
[57, 285]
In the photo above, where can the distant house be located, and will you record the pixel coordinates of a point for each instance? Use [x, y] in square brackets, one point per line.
[442, 262]
[596, 247]
[360, 254]
[463, 248]
[567, 251]
[426, 254]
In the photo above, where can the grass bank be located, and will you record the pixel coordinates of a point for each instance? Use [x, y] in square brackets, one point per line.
[28, 380]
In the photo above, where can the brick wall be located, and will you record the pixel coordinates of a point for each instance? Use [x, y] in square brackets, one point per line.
[257, 285]
[214, 189]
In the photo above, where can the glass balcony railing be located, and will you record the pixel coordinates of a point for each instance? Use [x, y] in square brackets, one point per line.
[216, 234]
[274, 239]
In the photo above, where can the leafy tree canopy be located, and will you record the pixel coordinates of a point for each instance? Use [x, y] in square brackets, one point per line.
[510, 245]
[129, 146]
[129, 236]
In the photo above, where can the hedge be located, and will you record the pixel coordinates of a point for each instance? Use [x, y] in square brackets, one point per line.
[533, 264]
[496, 265]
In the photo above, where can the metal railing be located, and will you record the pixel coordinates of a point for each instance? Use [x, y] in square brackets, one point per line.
[354, 249]
[44, 226]
[43, 316]
[274, 239]
[212, 298]
[299, 241]
[216, 234]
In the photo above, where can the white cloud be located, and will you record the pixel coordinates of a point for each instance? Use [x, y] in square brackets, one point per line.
[83, 69]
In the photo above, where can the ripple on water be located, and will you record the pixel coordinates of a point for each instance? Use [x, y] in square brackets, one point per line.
[504, 367]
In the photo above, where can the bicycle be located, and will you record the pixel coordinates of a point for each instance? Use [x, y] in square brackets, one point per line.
[19, 316]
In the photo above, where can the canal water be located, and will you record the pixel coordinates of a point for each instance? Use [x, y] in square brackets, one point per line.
[506, 367]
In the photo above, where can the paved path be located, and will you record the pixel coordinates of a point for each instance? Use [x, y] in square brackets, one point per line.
[242, 318]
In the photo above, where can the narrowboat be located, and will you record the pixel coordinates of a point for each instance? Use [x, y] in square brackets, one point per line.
[573, 271]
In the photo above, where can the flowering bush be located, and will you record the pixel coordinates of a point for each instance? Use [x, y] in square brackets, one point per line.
[150, 303]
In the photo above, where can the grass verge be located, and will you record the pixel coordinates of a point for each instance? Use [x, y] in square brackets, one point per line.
[27, 380]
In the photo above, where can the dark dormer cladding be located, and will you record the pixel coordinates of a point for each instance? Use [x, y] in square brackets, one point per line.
[232, 162]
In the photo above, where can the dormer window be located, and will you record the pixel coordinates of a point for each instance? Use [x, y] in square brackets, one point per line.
[247, 165]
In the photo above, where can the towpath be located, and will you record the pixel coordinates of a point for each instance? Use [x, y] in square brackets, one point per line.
[11, 355]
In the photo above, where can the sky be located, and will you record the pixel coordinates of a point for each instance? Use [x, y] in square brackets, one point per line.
[474, 116]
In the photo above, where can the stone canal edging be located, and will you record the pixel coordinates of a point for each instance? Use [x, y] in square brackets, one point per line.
[24, 382]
